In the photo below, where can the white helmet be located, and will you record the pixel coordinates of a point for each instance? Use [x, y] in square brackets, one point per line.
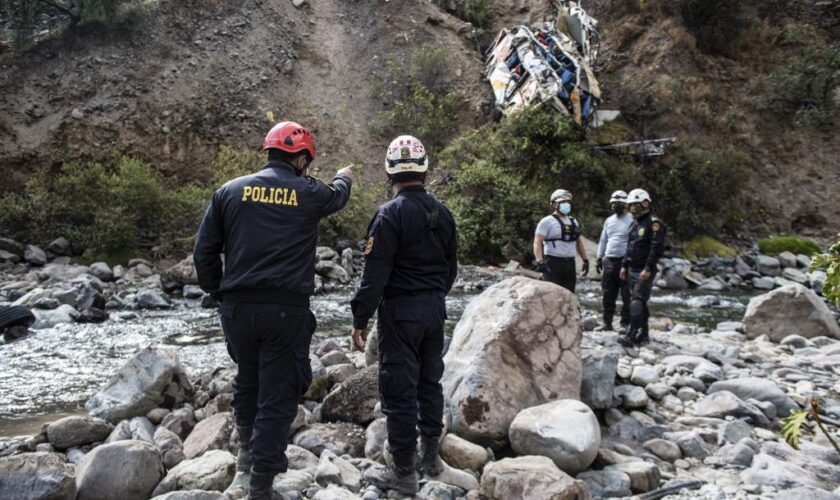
[406, 154]
[618, 197]
[560, 194]
[638, 195]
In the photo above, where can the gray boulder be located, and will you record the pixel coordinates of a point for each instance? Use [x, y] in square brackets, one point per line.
[770, 471]
[179, 275]
[375, 436]
[38, 475]
[102, 271]
[644, 476]
[171, 447]
[462, 454]
[61, 272]
[332, 271]
[212, 433]
[631, 396]
[152, 299]
[723, 403]
[212, 471]
[59, 246]
[137, 428]
[127, 470]
[193, 495]
[49, 318]
[566, 431]
[354, 399]
[152, 378]
[333, 469]
[436, 490]
[606, 483]
[517, 345]
[180, 421]
[11, 246]
[333, 492]
[598, 379]
[529, 478]
[340, 438]
[768, 265]
[76, 430]
[787, 310]
[762, 389]
[35, 255]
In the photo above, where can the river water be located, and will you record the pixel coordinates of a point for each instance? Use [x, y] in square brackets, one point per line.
[52, 372]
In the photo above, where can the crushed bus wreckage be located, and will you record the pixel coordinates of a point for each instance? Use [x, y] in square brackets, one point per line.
[545, 65]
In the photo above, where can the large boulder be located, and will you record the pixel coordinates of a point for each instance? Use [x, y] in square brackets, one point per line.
[530, 478]
[787, 310]
[761, 389]
[181, 274]
[517, 345]
[152, 378]
[212, 433]
[598, 380]
[77, 430]
[724, 404]
[128, 470]
[566, 431]
[213, 471]
[462, 454]
[354, 399]
[40, 475]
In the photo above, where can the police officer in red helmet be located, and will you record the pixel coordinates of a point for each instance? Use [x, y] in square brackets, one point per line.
[266, 226]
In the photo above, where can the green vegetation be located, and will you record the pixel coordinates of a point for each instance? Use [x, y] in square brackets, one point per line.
[805, 83]
[420, 96]
[124, 205]
[477, 12]
[831, 263]
[706, 246]
[792, 425]
[792, 244]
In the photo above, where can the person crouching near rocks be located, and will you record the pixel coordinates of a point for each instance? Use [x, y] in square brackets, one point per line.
[556, 240]
[410, 266]
[645, 245]
[266, 224]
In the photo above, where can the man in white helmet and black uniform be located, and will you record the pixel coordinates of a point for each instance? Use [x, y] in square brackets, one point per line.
[410, 266]
[612, 246]
[556, 240]
[645, 245]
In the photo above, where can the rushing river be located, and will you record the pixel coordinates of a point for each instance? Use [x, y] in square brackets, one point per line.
[52, 372]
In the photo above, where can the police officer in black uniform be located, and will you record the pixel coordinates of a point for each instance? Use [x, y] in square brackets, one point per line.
[410, 265]
[645, 245]
[266, 224]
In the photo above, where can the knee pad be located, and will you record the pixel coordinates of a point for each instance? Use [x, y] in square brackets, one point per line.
[637, 308]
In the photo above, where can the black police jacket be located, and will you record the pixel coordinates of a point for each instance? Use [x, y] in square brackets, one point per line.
[646, 243]
[266, 224]
[411, 249]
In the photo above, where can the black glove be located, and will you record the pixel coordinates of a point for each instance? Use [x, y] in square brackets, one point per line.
[585, 269]
[599, 265]
[542, 266]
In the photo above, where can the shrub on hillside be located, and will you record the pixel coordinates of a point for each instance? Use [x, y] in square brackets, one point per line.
[793, 244]
[477, 12]
[705, 246]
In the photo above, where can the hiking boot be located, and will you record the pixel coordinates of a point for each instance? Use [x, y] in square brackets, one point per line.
[430, 463]
[260, 486]
[643, 337]
[628, 339]
[243, 459]
[401, 476]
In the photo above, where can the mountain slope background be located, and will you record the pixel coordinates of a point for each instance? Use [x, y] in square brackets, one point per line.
[193, 76]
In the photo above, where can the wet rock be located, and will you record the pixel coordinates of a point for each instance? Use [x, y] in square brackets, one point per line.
[333, 469]
[102, 271]
[354, 399]
[332, 271]
[566, 431]
[152, 299]
[462, 454]
[529, 478]
[126, 470]
[644, 476]
[598, 378]
[768, 265]
[375, 436]
[59, 246]
[339, 438]
[484, 386]
[170, 445]
[787, 310]
[49, 318]
[723, 403]
[212, 433]
[631, 396]
[179, 275]
[606, 483]
[762, 389]
[664, 449]
[212, 471]
[436, 490]
[151, 378]
[674, 280]
[180, 421]
[795, 275]
[763, 283]
[34, 255]
[76, 430]
[137, 428]
[36, 475]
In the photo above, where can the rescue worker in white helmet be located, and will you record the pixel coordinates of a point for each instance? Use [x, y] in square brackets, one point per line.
[612, 245]
[556, 240]
[645, 245]
[410, 266]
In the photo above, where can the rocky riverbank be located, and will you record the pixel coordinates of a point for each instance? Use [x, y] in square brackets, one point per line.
[537, 407]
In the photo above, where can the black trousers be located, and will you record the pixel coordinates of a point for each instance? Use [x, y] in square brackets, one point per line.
[640, 294]
[561, 270]
[410, 368]
[611, 287]
[270, 345]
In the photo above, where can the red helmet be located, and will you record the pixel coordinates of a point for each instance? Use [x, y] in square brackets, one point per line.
[290, 137]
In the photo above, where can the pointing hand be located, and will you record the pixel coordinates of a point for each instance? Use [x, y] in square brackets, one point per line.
[347, 171]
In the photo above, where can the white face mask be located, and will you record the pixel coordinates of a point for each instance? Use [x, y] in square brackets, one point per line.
[565, 208]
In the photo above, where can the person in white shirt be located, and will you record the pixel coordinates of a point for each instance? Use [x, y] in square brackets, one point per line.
[611, 249]
[556, 241]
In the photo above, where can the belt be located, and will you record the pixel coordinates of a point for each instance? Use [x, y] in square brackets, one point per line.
[615, 259]
[282, 297]
[559, 258]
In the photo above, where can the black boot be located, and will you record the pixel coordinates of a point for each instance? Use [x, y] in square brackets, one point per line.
[400, 476]
[608, 324]
[260, 486]
[628, 339]
[643, 337]
[430, 463]
[243, 459]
